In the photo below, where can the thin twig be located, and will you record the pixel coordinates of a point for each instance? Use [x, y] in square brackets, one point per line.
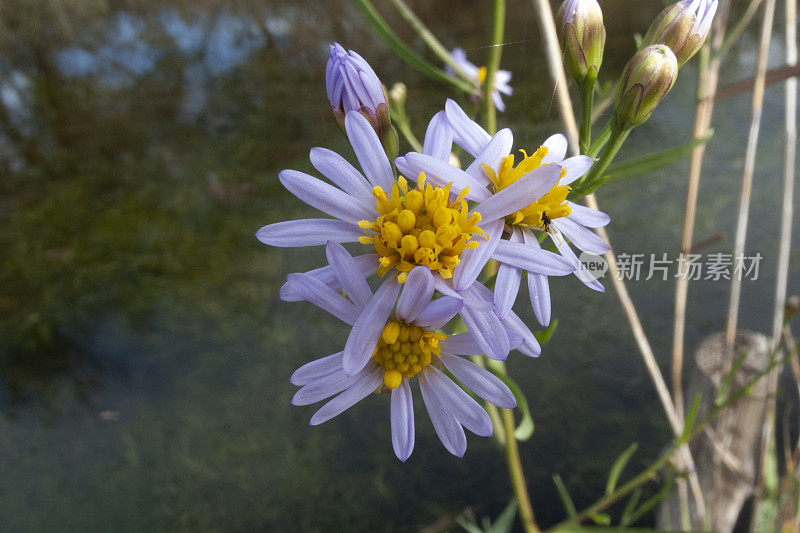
[558, 76]
[430, 39]
[707, 85]
[774, 75]
[493, 63]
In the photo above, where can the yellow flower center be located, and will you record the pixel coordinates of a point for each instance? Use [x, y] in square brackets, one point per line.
[404, 350]
[420, 227]
[482, 74]
[538, 214]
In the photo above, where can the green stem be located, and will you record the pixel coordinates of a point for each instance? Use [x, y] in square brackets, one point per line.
[590, 182]
[430, 39]
[517, 475]
[600, 141]
[493, 63]
[587, 103]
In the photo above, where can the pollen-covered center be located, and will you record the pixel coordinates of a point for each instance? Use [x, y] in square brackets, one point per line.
[404, 350]
[538, 214]
[420, 226]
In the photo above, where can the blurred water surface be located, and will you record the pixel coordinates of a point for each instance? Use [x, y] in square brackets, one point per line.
[144, 354]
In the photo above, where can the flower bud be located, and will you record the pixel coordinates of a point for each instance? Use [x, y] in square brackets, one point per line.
[646, 80]
[580, 23]
[683, 27]
[352, 85]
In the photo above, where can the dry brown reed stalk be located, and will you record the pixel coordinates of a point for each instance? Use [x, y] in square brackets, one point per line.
[558, 76]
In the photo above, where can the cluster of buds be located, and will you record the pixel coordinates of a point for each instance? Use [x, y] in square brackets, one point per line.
[580, 23]
[683, 27]
[352, 85]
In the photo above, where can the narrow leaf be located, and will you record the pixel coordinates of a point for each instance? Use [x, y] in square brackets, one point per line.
[505, 522]
[722, 395]
[525, 428]
[636, 167]
[630, 507]
[544, 335]
[601, 519]
[691, 416]
[569, 506]
[404, 51]
[618, 467]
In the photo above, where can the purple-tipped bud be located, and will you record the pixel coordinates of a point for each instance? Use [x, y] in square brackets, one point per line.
[352, 85]
[583, 36]
[683, 27]
[646, 80]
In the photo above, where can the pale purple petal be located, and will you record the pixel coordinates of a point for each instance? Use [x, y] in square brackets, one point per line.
[308, 232]
[442, 173]
[461, 344]
[575, 168]
[314, 291]
[447, 427]
[402, 418]
[466, 410]
[468, 134]
[438, 137]
[439, 312]
[581, 272]
[368, 150]
[348, 274]
[326, 198]
[445, 287]
[506, 285]
[316, 369]
[367, 265]
[584, 239]
[494, 153]
[531, 259]
[480, 381]
[484, 325]
[406, 169]
[529, 346]
[519, 194]
[538, 286]
[556, 149]
[325, 387]
[342, 173]
[416, 295]
[474, 259]
[365, 386]
[586, 216]
[367, 329]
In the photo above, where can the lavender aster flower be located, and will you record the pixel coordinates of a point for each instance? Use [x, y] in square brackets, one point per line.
[392, 341]
[478, 75]
[521, 200]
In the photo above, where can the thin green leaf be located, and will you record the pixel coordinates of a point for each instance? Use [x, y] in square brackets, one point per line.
[601, 519]
[544, 335]
[569, 506]
[593, 529]
[404, 51]
[630, 507]
[648, 505]
[505, 522]
[722, 395]
[691, 416]
[636, 167]
[525, 428]
[618, 467]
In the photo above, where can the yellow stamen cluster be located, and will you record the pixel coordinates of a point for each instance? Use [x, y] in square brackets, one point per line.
[404, 350]
[420, 227]
[482, 74]
[538, 214]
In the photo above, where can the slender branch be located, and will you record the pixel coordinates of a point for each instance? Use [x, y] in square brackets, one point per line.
[707, 85]
[774, 75]
[587, 102]
[493, 63]
[430, 39]
[749, 166]
[517, 476]
[737, 29]
[557, 73]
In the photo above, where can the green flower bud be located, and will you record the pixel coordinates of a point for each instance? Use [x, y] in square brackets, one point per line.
[583, 36]
[646, 80]
[683, 27]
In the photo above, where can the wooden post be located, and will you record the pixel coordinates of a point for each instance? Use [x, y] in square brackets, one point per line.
[727, 455]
